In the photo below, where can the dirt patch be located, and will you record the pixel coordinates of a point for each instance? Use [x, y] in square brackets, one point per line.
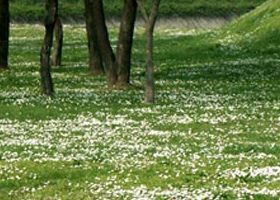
[186, 22]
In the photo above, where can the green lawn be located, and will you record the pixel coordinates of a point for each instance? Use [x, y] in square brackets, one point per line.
[214, 132]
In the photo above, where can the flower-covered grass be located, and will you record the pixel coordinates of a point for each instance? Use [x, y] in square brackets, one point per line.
[214, 132]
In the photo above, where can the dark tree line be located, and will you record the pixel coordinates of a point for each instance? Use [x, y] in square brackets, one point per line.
[102, 59]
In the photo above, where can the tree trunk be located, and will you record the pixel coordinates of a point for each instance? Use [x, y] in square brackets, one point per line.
[45, 70]
[95, 61]
[150, 22]
[149, 82]
[58, 30]
[4, 33]
[107, 54]
[125, 41]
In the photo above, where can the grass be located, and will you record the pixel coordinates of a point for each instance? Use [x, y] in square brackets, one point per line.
[33, 10]
[213, 133]
[257, 29]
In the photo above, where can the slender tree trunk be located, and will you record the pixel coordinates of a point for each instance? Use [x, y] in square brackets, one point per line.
[58, 30]
[95, 61]
[125, 41]
[149, 82]
[107, 54]
[45, 70]
[4, 33]
[150, 22]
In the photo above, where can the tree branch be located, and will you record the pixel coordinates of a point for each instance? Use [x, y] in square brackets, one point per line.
[154, 11]
[143, 10]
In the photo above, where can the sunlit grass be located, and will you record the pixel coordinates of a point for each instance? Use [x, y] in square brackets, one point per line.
[212, 134]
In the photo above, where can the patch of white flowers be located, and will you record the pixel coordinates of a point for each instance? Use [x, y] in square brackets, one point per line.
[204, 139]
[267, 172]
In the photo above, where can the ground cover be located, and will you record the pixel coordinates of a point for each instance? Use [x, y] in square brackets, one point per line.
[213, 133]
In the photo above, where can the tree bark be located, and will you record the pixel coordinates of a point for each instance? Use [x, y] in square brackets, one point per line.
[150, 21]
[95, 61]
[107, 54]
[45, 70]
[4, 33]
[57, 53]
[125, 41]
[149, 81]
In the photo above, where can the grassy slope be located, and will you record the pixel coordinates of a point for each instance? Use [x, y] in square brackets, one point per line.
[25, 10]
[258, 28]
[213, 133]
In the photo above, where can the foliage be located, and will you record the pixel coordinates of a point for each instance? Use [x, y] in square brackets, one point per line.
[33, 10]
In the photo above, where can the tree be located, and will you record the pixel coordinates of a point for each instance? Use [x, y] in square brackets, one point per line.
[117, 68]
[4, 33]
[125, 41]
[95, 61]
[57, 53]
[51, 7]
[150, 21]
[103, 42]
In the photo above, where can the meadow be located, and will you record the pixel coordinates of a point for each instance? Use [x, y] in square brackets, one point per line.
[214, 132]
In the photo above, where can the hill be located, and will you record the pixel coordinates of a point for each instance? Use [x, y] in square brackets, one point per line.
[256, 29]
[72, 10]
